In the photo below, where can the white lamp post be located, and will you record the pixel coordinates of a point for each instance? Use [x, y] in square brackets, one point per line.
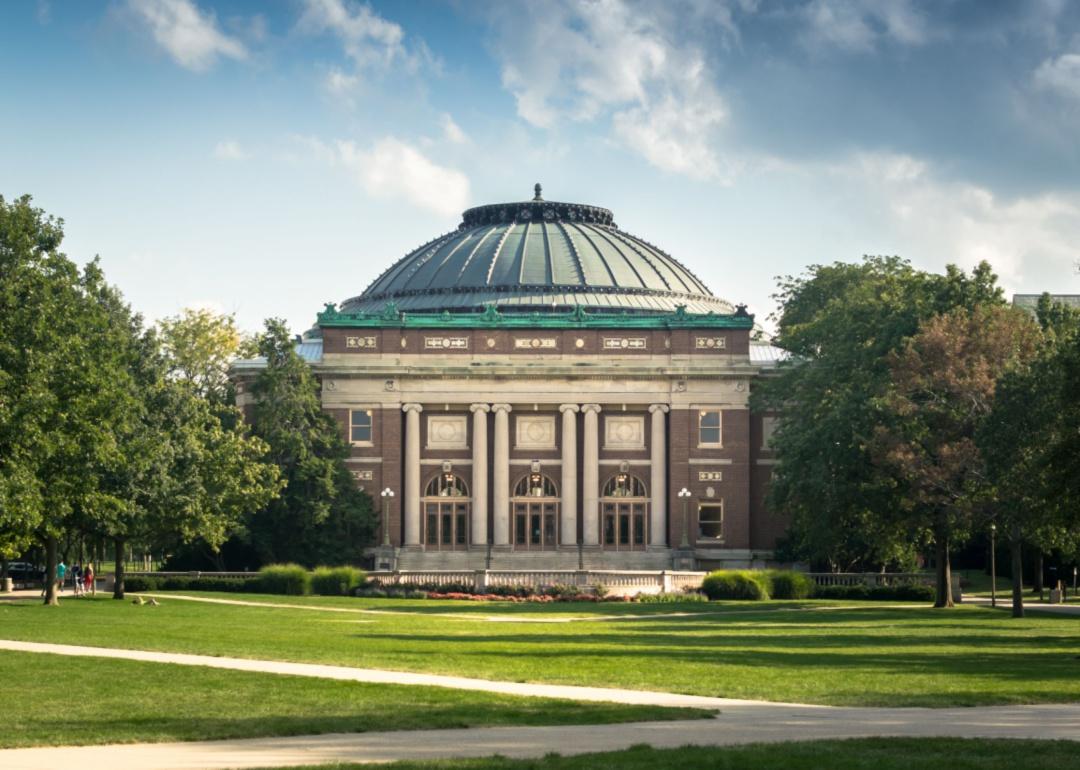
[387, 495]
[684, 495]
[993, 567]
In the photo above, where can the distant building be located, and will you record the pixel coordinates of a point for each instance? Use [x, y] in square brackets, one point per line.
[537, 386]
[1030, 302]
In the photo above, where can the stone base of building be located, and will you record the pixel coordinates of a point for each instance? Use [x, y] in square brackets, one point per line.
[587, 558]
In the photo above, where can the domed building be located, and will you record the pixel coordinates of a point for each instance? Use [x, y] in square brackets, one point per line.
[539, 389]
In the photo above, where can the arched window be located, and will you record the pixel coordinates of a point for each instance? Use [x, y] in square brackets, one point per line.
[447, 485]
[535, 521]
[625, 485]
[447, 509]
[536, 485]
[624, 513]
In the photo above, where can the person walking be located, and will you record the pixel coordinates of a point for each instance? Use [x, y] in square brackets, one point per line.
[88, 580]
[76, 578]
[61, 572]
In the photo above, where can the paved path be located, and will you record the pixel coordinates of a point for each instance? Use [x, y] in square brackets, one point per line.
[1029, 606]
[747, 723]
[380, 676]
[739, 721]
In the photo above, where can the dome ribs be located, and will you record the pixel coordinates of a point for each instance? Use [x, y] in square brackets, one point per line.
[576, 263]
[602, 234]
[599, 256]
[476, 248]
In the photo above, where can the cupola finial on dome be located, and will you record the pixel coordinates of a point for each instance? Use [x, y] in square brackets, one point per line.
[536, 189]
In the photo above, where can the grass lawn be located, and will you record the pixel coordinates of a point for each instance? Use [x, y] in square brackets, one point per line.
[861, 754]
[58, 700]
[796, 651]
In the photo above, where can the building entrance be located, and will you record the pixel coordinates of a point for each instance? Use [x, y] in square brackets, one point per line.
[624, 514]
[535, 521]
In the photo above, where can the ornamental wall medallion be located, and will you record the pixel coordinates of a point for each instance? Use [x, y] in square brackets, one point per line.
[446, 431]
[535, 343]
[360, 342]
[362, 475]
[710, 343]
[710, 475]
[624, 432]
[446, 343]
[625, 343]
[535, 431]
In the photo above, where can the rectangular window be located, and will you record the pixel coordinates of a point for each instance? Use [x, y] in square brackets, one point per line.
[360, 426]
[709, 428]
[711, 521]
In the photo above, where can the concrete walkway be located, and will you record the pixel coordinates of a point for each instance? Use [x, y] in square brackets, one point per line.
[749, 723]
[739, 721]
[380, 676]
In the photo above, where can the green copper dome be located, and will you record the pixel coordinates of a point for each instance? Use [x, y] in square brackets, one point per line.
[537, 256]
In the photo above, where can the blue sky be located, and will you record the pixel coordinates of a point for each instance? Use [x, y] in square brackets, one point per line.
[265, 158]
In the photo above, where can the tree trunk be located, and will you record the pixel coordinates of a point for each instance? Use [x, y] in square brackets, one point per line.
[1016, 552]
[3, 569]
[943, 595]
[50, 571]
[1038, 583]
[118, 585]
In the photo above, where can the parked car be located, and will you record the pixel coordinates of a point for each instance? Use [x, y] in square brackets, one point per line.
[25, 572]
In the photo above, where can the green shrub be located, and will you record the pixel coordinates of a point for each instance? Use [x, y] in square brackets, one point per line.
[859, 591]
[789, 584]
[907, 592]
[735, 584]
[288, 579]
[670, 598]
[138, 583]
[336, 581]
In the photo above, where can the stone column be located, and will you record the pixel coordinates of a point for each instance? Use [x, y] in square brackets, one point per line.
[568, 514]
[411, 496]
[590, 477]
[500, 495]
[479, 474]
[658, 477]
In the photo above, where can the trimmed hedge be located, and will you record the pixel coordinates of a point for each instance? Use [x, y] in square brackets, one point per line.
[736, 584]
[789, 584]
[909, 592]
[288, 579]
[336, 581]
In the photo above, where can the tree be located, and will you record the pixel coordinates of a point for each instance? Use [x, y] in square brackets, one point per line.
[63, 388]
[199, 345]
[188, 468]
[840, 322]
[1019, 440]
[321, 515]
[943, 385]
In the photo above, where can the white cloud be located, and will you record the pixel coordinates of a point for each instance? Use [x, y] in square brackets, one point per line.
[452, 131]
[190, 36]
[230, 149]
[582, 60]
[857, 25]
[394, 169]
[368, 39]
[942, 220]
[1061, 75]
[340, 82]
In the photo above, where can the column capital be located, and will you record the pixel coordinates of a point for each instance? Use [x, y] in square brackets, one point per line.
[659, 408]
[474, 408]
[412, 408]
[569, 408]
[594, 408]
[501, 408]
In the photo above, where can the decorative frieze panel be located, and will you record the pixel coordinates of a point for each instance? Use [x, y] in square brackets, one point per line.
[625, 343]
[353, 343]
[535, 431]
[446, 343]
[446, 431]
[535, 343]
[624, 432]
[710, 476]
[362, 475]
[710, 343]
